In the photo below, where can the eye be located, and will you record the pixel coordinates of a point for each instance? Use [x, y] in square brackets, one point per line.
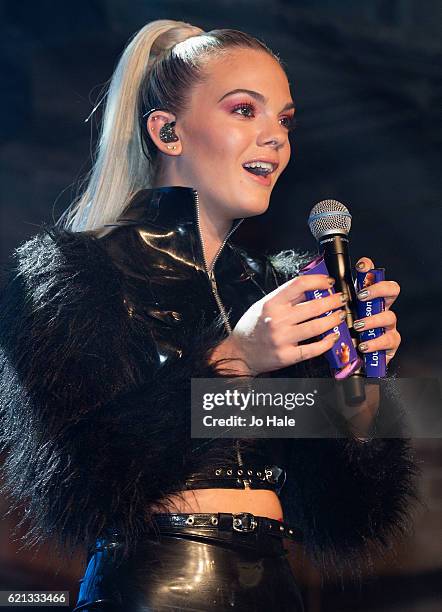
[288, 122]
[246, 109]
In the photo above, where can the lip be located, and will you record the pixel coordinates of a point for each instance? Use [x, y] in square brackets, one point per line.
[274, 163]
[264, 180]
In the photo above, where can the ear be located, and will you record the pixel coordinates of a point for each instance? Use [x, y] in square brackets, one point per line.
[155, 122]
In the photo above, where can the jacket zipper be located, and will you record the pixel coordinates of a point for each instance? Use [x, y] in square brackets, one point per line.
[211, 275]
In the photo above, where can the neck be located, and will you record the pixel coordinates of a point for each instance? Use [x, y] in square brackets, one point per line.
[213, 233]
[214, 227]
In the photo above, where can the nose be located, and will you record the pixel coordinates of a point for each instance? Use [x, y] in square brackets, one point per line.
[272, 137]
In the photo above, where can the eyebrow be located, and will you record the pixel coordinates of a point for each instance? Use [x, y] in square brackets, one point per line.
[258, 96]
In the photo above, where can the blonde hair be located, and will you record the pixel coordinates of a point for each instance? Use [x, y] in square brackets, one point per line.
[156, 70]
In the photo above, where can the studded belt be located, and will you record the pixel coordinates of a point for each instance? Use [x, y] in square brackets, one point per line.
[242, 477]
[217, 523]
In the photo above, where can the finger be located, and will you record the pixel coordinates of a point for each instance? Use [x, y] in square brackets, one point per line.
[364, 263]
[389, 341]
[386, 319]
[316, 327]
[389, 290]
[302, 352]
[293, 291]
[389, 354]
[303, 311]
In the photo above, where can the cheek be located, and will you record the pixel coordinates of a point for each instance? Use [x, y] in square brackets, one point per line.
[287, 152]
[218, 143]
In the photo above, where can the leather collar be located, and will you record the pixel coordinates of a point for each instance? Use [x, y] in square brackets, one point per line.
[173, 211]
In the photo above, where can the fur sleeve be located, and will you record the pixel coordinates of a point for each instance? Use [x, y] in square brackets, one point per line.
[92, 431]
[350, 499]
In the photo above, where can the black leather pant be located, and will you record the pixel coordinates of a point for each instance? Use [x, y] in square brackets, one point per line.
[193, 572]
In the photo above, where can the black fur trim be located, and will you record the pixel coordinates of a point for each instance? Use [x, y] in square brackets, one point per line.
[93, 434]
[288, 263]
[350, 499]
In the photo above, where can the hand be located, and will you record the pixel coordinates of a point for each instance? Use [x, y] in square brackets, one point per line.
[391, 339]
[267, 336]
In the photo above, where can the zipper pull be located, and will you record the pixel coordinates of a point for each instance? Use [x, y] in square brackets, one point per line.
[213, 282]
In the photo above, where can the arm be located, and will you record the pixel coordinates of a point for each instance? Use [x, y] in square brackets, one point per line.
[92, 428]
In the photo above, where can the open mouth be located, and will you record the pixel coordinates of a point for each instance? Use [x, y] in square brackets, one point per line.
[260, 168]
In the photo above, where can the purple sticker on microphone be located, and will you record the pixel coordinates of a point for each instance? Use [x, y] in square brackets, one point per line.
[375, 362]
[342, 357]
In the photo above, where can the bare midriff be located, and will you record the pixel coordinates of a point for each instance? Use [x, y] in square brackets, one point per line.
[261, 502]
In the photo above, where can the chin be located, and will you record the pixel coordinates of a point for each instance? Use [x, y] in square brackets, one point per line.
[255, 208]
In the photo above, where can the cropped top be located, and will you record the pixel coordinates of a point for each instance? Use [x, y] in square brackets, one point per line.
[159, 232]
[253, 475]
[269, 477]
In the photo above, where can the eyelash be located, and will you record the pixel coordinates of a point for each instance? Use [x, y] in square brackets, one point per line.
[291, 120]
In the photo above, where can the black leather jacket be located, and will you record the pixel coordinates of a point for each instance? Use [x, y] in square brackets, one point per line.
[157, 245]
[101, 333]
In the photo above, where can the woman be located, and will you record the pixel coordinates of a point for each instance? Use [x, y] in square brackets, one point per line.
[106, 321]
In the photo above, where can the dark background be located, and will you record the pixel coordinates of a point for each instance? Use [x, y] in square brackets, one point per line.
[366, 78]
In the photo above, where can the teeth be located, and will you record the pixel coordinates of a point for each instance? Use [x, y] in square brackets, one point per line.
[260, 164]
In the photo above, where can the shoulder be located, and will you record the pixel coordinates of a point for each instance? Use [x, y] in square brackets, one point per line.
[54, 249]
[59, 267]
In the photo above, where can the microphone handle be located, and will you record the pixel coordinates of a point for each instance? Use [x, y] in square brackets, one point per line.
[337, 259]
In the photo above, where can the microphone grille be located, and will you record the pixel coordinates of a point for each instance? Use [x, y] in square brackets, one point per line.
[329, 217]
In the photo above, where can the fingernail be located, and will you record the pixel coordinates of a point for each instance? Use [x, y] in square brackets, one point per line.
[363, 347]
[331, 281]
[358, 324]
[363, 294]
[336, 335]
[344, 298]
[342, 315]
[360, 265]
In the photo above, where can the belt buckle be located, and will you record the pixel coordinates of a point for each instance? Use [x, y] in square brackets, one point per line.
[273, 475]
[244, 522]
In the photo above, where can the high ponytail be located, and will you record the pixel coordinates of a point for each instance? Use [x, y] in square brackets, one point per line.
[156, 70]
[121, 168]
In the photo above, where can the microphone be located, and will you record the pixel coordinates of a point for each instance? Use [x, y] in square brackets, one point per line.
[330, 223]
